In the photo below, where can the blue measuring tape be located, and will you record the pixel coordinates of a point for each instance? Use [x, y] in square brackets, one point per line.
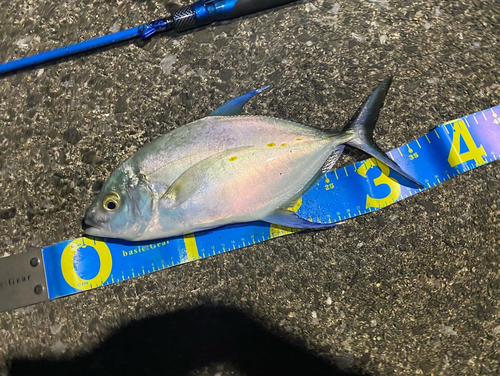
[450, 149]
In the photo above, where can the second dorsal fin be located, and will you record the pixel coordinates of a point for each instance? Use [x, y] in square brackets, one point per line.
[235, 106]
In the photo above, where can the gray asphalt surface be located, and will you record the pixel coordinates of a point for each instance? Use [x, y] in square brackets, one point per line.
[411, 289]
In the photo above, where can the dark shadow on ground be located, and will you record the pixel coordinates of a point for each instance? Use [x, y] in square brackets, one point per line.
[181, 342]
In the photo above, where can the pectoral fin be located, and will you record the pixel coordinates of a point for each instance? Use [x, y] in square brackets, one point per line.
[191, 179]
[290, 219]
[235, 106]
[182, 188]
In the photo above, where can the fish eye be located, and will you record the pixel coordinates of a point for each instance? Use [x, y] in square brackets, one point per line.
[111, 202]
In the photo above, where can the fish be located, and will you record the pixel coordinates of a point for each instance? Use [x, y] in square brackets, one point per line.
[227, 168]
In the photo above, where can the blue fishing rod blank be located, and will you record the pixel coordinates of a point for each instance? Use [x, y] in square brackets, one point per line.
[198, 14]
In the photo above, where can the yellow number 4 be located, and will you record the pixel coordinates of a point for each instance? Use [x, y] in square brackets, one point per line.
[460, 131]
[395, 188]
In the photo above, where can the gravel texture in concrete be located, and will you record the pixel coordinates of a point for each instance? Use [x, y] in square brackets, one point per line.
[411, 289]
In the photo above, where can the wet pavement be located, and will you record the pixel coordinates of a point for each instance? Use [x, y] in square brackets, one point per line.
[411, 289]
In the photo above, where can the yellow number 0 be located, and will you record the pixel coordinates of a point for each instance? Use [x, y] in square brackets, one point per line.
[382, 179]
[68, 268]
[475, 153]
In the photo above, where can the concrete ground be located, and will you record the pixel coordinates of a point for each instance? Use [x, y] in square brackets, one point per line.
[411, 289]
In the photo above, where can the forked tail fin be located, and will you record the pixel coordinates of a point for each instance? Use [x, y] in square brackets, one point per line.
[362, 124]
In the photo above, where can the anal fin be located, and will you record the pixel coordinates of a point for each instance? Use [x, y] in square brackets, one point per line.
[290, 219]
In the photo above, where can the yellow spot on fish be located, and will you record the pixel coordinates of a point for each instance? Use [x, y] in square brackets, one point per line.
[282, 144]
[298, 139]
[233, 159]
[270, 145]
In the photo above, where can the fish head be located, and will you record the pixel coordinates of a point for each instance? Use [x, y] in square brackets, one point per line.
[123, 207]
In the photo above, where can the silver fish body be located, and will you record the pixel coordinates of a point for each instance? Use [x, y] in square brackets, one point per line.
[215, 171]
[249, 166]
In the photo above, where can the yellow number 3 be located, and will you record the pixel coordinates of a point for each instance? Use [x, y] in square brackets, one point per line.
[395, 188]
[474, 153]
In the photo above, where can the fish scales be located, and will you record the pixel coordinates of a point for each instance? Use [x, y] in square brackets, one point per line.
[166, 158]
[257, 182]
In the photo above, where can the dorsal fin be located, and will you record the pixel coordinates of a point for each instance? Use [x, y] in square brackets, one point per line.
[235, 106]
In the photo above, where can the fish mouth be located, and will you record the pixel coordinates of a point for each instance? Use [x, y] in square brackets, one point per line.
[85, 225]
[89, 228]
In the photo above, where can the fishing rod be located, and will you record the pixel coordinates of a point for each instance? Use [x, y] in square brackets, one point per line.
[198, 14]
